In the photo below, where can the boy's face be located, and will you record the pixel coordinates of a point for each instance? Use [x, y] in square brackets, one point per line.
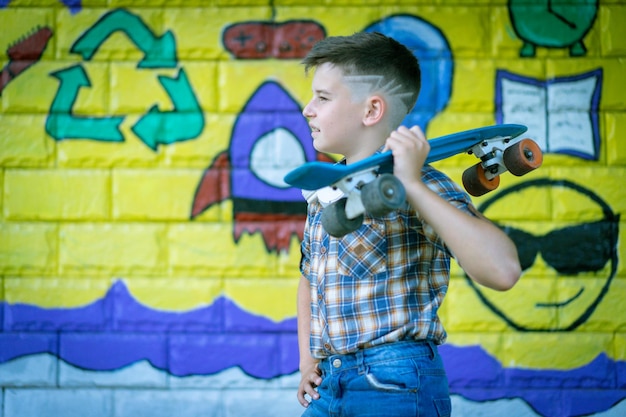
[335, 117]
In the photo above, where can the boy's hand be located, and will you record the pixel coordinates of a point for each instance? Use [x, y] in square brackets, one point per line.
[311, 379]
[410, 150]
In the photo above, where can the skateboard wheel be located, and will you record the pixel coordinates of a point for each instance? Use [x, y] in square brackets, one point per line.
[384, 194]
[335, 221]
[523, 157]
[476, 183]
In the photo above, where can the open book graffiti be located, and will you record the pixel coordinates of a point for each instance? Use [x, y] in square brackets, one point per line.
[561, 113]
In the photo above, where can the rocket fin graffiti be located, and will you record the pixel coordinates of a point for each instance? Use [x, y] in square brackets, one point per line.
[23, 54]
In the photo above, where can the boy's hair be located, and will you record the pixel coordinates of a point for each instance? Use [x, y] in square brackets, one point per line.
[384, 64]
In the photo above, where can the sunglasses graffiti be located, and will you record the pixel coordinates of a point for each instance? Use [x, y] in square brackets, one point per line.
[589, 246]
[567, 270]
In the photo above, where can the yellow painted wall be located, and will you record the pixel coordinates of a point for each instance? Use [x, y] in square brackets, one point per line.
[79, 214]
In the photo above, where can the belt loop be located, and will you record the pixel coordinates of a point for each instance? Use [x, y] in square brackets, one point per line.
[360, 360]
[433, 349]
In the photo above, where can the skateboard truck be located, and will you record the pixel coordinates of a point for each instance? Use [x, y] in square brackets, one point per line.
[351, 188]
[492, 157]
[364, 191]
[497, 156]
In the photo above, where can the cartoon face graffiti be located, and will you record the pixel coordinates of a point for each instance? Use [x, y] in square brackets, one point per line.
[568, 263]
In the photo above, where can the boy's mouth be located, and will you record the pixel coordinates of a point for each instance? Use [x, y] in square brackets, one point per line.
[314, 131]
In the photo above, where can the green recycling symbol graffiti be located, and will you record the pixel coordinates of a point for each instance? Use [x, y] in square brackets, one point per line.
[155, 127]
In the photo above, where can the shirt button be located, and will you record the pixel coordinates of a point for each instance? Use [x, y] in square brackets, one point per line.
[320, 297]
[337, 363]
[327, 346]
[323, 250]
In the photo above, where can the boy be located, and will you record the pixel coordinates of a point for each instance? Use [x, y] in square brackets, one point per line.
[367, 302]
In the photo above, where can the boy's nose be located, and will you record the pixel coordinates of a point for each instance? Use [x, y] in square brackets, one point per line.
[306, 111]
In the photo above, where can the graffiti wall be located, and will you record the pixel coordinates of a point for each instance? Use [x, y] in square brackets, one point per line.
[149, 246]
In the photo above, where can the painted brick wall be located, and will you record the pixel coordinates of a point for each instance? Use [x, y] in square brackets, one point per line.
[142, 274]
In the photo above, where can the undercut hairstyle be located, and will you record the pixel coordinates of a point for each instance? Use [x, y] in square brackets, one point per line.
[371, 58]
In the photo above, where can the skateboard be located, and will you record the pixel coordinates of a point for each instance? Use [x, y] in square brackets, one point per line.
[369, 185]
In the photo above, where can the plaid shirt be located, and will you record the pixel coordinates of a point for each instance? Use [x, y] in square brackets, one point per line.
[382, 283]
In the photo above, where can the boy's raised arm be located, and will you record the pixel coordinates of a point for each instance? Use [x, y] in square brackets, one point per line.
[486, 253]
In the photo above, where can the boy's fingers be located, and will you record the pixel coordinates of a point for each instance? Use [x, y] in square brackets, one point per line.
[307, 387]
[303, 402]
[315, 380]
[417, 130]
[315, 376]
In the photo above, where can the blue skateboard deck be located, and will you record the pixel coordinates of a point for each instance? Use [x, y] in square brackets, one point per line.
[316, 175]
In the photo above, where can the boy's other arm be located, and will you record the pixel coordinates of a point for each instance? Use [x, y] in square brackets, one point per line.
[484, 251]
[309, 371]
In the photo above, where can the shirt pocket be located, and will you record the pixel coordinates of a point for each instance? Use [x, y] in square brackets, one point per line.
[363, 253]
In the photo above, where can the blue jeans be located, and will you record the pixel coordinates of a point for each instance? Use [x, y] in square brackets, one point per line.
[398, 379]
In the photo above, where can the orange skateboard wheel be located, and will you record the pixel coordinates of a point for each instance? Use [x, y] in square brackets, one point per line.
[476, 183]
[523, 157]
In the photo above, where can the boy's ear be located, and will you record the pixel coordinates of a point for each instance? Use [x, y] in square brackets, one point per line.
[375, 110]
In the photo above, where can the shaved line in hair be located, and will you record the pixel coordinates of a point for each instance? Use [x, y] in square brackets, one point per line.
[399, 100]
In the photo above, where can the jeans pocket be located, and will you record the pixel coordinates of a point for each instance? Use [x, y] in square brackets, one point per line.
[401, 376]
[443, 407]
